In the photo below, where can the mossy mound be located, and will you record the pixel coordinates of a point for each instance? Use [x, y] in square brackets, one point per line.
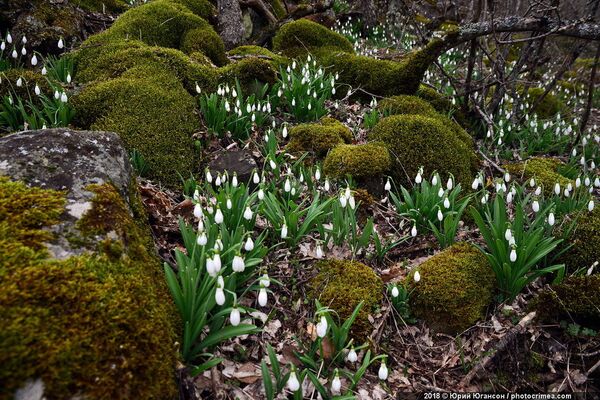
[548, 107]
[543, 170]
[437, 100]
[8, 84]
[318, 138]
[406, 104]
[576, 299]
[585, 241]
[92, 326]
[151, 111]
[206, 41]
[417, 140]
[301, 37]
[456, 286]
[253, 51]
[249, 72]
[203, 8]
[341, 285]
[362, 161]
[111, 6]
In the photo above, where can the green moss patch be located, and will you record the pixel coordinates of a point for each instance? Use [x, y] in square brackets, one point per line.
[456, 286]
[585, 241]
[303, 36]
[96, 325]
[342, 285]
[362, 161]
[548, 107]
[543, 170]
[318, 138]
[405, 104]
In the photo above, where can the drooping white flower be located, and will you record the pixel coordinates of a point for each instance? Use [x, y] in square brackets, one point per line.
[9, 38]
[507, 234]
[262, 297]
[261, 194]
[322, 327]
[535, 206]
[352, 202]
[19, 82]
[413, 231]
[475, 184]
[218, 216]
[336, 384]
[388, 185]
[326, 186]
[228, 203]
[287, 186]
[319, 251]
[210, 267]
[265, 281]
[209, 177]
[450, 183]
[69, 79]
[352, 356]
[292, 384]
[234, 180]
[551, 219]
[238, 264]
[217, 262]
[256, 178]
[234, 316]
[198, 90]
[14, 53]
[591, 205]
[513, 255]
[63, 97]
[249, 245]
[395, 291]
[284, 231]
[34, 60]
[383, 371]
[37, 90]
[532, 182]
[434, 180]
[61, 44]
[440, 215]
[418, 178]
[220, 293]
[272, 164]
[417, 276]
[202, 239]
[343, 200]
[446, 203]
[248, 214]
[557, 188]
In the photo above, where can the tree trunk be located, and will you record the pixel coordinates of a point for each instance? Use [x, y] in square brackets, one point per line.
[231, 26]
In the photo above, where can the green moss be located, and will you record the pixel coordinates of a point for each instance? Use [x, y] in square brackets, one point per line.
[405, 104]
[249, 51]
[302, 36]
[549, 106]
[151, 111]
[111, 6]
[207, 41]
[248, 71]
[362, 161]
[416, 140]
[435, 98]
[335, 286]
[202, 8]
[585, 241]
[8, 84]
[278, 8]
[318, 138]
[576, 299]
[456, 286]
[543, 170]
[97, 325]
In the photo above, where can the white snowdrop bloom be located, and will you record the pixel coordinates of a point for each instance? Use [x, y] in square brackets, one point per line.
[352, 356]
[210, 267]
[322, 327]
[508, 234]
[217, 262]
[597, 182]
[292, 384]
[198, 90]
[449, 184]
[227, 106]
[287, 186]
[262, 297]
[383, 371]
[326, 186]
[574, 152]
[566, 192]
[234, 180]
[551, 219]
[413, 231]
[218, 180]
[238, 264]
[255, 178]
[284, 231]
[532, 182]
[309, 106]
[293, 192]
[506, 177]
[14, 53]
[301, 177]
[336, 384]
[220, 294]
[2, 46]
[265, 281]
[343, 200]
[317, 174]
[441, 192]
[509, 198]
[440, 216]
[261, 194]
[475, 184]
[248, 214]
[388, 185]
[293, 102]
[446, 203]
[587, 181]
[513, 255]
[418, 178]
[202, 239]
[352, 202]
[234, 316]
[69, 79]
[591, 205]
[417, 276]
[63, 97]
[557, 188]
[23, 51]
[19, 82]
[538, 191]
[9, 38]
[249, 245]
[218, 216]
[37, 90]
[61, 44]
[272, 164]
[434, 180]
[577, 182]
[34, 60]
[229, 204]
[284, 132]
[395, 291]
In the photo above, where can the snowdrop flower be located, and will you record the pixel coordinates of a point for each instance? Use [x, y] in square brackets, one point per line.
[61, 44]
[557, 188]
[63, 97]
[388, 185]
[538, 191]
[532, 182]
[218, 216]
[292, 384]
[317, 174]
[535, 206]
[249, 245]
[37, 90]
[336, 384]
[551, 219]
[262, 297]
[506, 177]
[352, 356]
[265, 281]
[591, 205]
[217, 261]
[210, 267]
[218, 180]
[417, 276]
[209, 178]
[509, 198]
[326, 186]
[413, 231]
[14, 53]
[19, 82]
[248, 214]
[2, 46]
[441, 192]
[352, 202]
[343, 200]
[198, 90]
[34, 60]
[287, 186]
[261, 194]
[24, 51]
[220, 293]
[234, 316]
[322, 327]
[395, 291]
[9, 37]
[513, 255]
[284, 132]
[228, 204]
[202, 239]
[434, 180]
[418, 178]
[508, 234]
[383, 371]
[475, 184]
[284, 231]
[597, 182]
[238, 264]
[319, 251]
[440, 216]
[449, 184]
[44, 71]
[587, 181]
[255, 178]
[272, 164]
[69, 78]
[446, 203]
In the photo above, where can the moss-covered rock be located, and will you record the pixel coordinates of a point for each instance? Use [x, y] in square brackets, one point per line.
[548, 107]
[437, 100]
[249, 72]
[203, 8]
[318, 138]
[576, 299]
[206, 41]
[301, 37]
[253, 51]
[111, 6]
[405, 104]
[151, 111]
[585, 241]
[545, 172]
[417, 140]
[335, 286]
[456, 286]
[361, 161]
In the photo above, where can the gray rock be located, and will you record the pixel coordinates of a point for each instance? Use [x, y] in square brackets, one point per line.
[239, 162]
[69, 160]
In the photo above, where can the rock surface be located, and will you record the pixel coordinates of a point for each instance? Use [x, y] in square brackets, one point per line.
[239, 162]
[67, 160]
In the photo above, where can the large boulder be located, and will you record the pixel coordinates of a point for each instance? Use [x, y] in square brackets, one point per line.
[84, 309]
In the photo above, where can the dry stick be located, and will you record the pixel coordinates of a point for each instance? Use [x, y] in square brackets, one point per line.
[588, 107]
[499, 348]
